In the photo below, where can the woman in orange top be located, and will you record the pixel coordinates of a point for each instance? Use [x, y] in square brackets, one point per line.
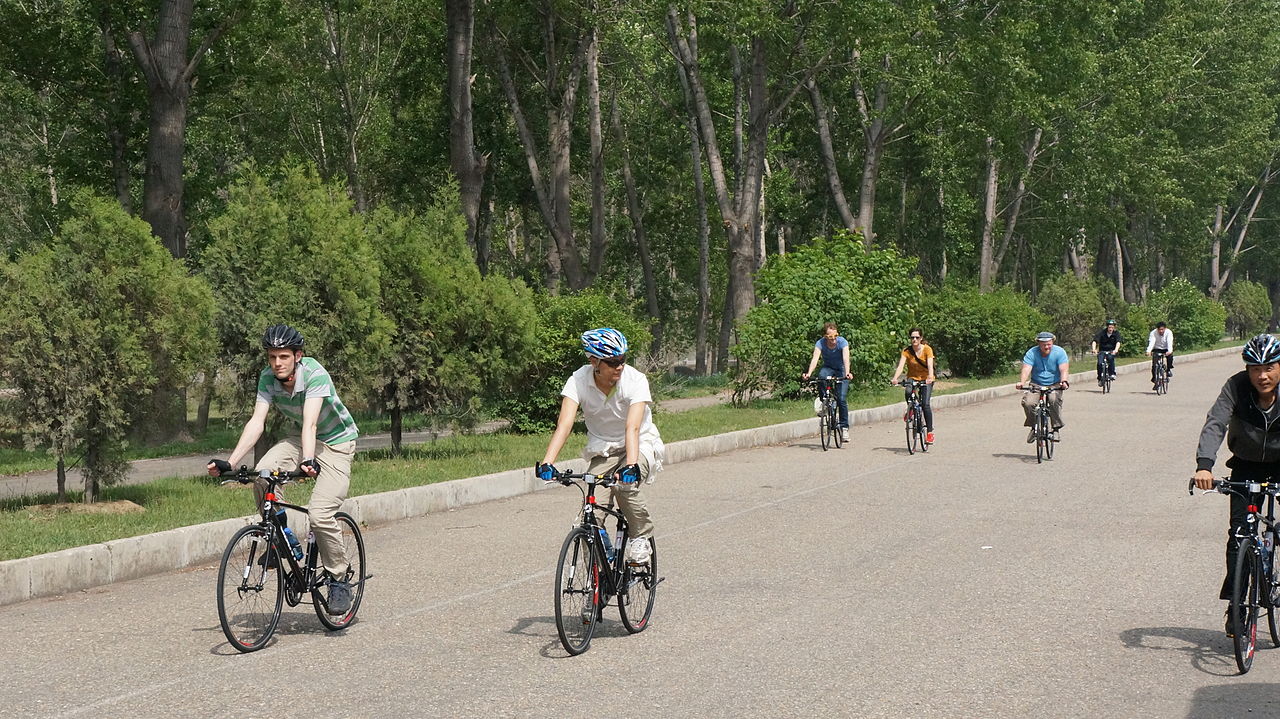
[918, 361]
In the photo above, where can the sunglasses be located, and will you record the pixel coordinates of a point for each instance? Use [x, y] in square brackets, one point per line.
[614, 362]
[916, 337]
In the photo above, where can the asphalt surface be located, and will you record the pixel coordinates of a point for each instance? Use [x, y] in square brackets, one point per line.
[861, 582]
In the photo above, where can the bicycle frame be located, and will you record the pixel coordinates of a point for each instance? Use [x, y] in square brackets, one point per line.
[611, 580]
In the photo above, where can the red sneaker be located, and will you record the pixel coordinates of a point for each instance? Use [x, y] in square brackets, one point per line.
[928, 438]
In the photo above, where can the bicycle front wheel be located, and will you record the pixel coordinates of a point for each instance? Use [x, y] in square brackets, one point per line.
[353, 544]
[640, 583]
[1244, 604]
[249, 589]
[822, 431]
[909, 422]
[577, 592]
[833, 426]
[919, 428]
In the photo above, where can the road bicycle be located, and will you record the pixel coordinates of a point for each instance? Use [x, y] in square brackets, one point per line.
[260, 571]
[1255, 588]
[1105, 370]
[913, 418]
[592, 570]
[1042, 428]
[1161, 368]
[829, 418]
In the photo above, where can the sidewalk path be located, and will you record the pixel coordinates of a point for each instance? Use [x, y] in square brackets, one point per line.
[142, 471]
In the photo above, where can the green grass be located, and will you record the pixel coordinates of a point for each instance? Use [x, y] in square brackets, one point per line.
[178, 502]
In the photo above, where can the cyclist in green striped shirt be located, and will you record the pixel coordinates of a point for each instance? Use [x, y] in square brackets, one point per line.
[301, 389]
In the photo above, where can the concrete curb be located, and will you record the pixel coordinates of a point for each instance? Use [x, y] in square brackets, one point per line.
[118, 560]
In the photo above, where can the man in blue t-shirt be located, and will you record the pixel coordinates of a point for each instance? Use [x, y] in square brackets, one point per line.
[833, 350]
[1044, 365]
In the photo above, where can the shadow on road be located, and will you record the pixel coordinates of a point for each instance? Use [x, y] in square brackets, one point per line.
[543, 626]
[1208, 651]
[811, 445]
[295, 623]
[1024, 458]
[896, 450]
[1235, 700]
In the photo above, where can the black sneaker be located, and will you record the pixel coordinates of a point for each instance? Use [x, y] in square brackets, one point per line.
[339, 601]
[1231, 632]
[269, 560]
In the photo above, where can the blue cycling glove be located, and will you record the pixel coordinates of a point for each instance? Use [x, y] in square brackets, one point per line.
[629, 473]
[545, 471]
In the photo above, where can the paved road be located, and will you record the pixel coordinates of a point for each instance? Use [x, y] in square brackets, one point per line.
[968, 582]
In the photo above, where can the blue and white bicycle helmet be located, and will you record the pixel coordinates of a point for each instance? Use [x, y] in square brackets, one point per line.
[1262, 349]
[604, 343]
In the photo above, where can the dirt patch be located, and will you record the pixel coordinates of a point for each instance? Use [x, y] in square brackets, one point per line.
[121, 506]
[944, 384]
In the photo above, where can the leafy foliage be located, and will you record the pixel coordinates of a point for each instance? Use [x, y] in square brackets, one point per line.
[1074, 309]
[976, 334]
[1196, 320]
[557, 353]
[96, 320]
[872, 297]
[1248, 308]
[288, 248]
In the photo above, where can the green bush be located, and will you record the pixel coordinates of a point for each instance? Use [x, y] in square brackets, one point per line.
[1075, 310]
[96, 319]
[458, 336]
[1113, 304]
[1196, 320]
[557, 353]
[1248, 308]
[977, 335]
[872, 297]
[289, 248]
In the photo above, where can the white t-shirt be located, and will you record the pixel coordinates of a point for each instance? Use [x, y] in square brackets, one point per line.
[606, 417]
[1162, 342]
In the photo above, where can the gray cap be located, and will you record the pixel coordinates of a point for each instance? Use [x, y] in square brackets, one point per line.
[1044, 336]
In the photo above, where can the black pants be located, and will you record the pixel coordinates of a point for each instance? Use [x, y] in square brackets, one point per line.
[925, 392]
[1106, 363]
[1239, 514]
[1168, 363]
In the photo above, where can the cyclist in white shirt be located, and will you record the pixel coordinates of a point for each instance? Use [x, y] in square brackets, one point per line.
[1160, 344]
[621, 437]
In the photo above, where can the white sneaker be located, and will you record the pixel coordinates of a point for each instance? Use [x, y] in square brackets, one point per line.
[638, 550]
[844, 434]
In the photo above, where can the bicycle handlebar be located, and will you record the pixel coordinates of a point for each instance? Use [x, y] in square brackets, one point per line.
[1033, 387]
[567, 477]
[1226, 486]
[244, 475]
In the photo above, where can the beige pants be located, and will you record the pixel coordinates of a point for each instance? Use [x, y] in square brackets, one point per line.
[628, 497]
[331, 487]
[1031, 399]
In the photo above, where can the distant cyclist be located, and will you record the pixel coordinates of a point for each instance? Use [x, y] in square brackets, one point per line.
[1160, 345]
[833, 350]
[301, 389]
[918, 360]
[1105, 344]
[622, 440]
[1046, 364]
[1247, 412]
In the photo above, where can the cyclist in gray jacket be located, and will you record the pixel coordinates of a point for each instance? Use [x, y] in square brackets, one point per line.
[1247, 412]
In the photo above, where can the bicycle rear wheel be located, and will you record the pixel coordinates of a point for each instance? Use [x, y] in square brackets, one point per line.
[577, 592]
[353, 541]
[822, 430]
[635, 603]
[919, 429]
[833, 426]
[1049, 441]
[1244, 604]
[249, 589]
[1270, 590]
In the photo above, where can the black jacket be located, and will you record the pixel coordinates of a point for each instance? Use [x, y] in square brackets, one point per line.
[1250, 438]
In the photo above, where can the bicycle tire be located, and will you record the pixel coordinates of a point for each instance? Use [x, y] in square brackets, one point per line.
[1244, 604]
[577, 598]
[1273, 622]
[1049, 441]
[641, 589]
[907, 423]
[250, 596]
[822, 430]
[920, 433]
[833, 426]
[353, 540]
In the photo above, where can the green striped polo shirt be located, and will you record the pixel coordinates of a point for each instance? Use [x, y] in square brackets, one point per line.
[311, 380]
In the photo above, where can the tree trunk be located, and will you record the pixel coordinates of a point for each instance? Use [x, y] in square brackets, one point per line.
[1273, 289]
[704, 227]
[467, 164]
[206, 400]
[120, 175]
[1119, 265]
[397, 430]
[595, 134]
[62, 479]
[1031, 151]
[168, 73]
[642, 240]
[986, 267]
[827, 150]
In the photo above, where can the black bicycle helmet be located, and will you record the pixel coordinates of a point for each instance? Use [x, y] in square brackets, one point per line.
[282, 337]
[1262, 349]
